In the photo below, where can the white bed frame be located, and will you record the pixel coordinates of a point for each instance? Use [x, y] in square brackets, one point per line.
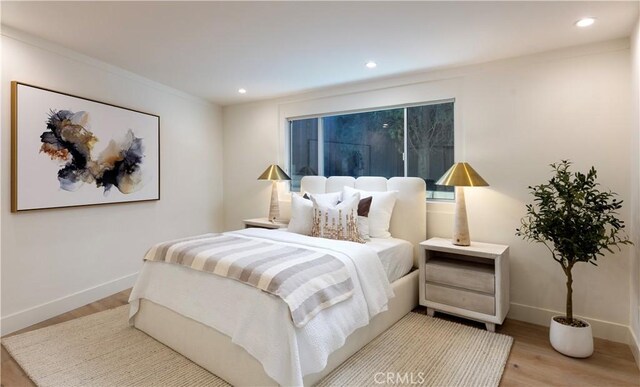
[216, 352]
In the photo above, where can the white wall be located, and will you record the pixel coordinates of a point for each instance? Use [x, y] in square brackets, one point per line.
[635, 198]
[56, 260]
[513, 118]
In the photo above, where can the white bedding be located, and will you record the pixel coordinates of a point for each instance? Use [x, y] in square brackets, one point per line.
[395, 254]
[260, 322]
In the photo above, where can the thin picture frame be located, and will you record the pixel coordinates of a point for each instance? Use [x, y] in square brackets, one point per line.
[30, 106]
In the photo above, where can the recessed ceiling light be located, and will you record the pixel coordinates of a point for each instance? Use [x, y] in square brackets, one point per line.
[371, 64]
[242, 91]
[585, 22]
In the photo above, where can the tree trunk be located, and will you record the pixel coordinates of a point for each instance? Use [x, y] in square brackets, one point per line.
[569, 295]
[423, 163]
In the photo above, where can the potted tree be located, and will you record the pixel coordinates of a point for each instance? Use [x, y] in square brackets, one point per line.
[577, 223]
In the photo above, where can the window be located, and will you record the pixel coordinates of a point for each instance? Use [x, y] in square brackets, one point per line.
[409, 141]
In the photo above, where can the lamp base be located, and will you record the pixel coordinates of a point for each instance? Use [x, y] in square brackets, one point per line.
[274, 207]
[460, 224]
[460, 243]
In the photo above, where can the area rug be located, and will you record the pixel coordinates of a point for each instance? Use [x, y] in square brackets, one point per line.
[102, 350]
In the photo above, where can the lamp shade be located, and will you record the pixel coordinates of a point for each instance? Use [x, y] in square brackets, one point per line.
[462, 175]
[274, 173]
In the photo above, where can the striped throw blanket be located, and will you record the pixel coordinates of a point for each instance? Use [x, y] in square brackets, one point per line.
[308, 281]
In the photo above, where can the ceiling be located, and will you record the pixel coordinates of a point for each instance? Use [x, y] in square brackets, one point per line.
[211, 49]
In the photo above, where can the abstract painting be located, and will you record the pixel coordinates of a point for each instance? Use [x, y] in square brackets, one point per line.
[71, 151]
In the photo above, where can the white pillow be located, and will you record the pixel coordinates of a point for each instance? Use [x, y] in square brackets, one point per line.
[337, 222]
[301, 215]
[302, 210]
[363, 227]
[327, 199]
[380, 211]
[363, 221]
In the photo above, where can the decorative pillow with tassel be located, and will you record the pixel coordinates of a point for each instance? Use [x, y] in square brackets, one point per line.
[339, 221]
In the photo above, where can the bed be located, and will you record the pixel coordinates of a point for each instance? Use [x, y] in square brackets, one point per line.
[182, 308]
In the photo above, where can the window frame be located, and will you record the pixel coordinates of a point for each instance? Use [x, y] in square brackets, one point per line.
[456, 134]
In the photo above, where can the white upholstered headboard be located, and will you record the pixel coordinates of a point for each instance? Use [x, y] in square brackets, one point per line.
[409, 219]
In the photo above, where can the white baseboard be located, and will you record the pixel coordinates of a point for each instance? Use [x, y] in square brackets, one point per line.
[602, 329]
[634, 344]
[36, 314]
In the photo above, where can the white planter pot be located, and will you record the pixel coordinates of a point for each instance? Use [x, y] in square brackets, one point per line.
[571, 341]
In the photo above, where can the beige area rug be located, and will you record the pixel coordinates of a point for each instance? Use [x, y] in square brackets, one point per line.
[102, 350]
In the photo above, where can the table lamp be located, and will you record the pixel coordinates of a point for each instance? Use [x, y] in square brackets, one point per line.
[461, 175]
[275, 174]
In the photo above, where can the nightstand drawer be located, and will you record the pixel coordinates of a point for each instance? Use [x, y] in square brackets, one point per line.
[464, 299]
[466, 275]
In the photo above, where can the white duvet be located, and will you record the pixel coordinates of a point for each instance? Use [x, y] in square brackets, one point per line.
[261, 323]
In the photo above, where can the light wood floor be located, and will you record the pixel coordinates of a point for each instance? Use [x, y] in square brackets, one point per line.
[532, 361]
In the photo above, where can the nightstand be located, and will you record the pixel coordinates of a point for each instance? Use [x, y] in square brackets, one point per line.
[466, 281]
[263, 223]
